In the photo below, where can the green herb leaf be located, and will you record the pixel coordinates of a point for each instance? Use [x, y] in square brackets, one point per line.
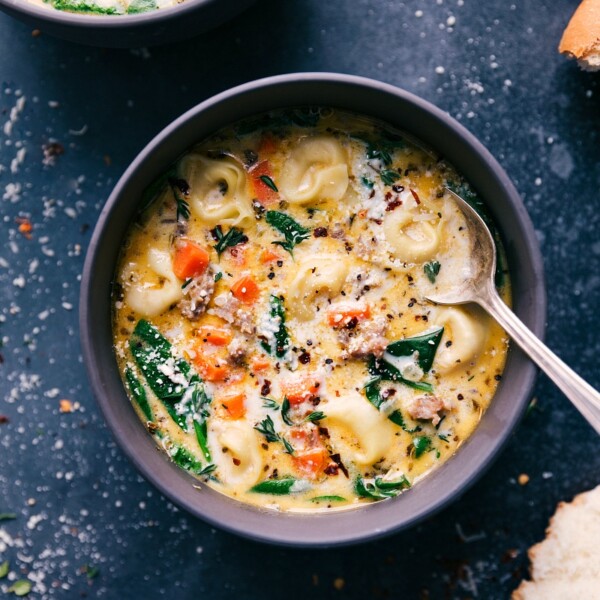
[139, 393]
[293, 232]
[218, 276]
[328, 499]
[156, 188]
[421, 445]
[4, 569]
[20, 588]
[315, 416]
[367, 182]
[285, 409]
[378, 489]
[444, 437]
[425, 344]
[432, 268]
[282, 338]
[270, 403]
[389, 176]
[183, 208]
[288, 447]
[268, 182]
[267, 428]
[230, 239]
[7, 516]
[379, 153]
[277, 487]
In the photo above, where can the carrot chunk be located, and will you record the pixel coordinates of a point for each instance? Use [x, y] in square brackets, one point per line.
[300, 390]
[211, 369]
[234, 405]
[263, 185]
[190, 260]
[245, 290]
[268, 256]
[260, 364]
[217, 336]
[343, 315]
[311, 462]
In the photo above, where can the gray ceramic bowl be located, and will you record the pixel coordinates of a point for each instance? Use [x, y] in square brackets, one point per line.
[451, 141]
[127, 31]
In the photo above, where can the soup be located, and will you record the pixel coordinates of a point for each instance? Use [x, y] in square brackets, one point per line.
[107, 7]
[270, 319]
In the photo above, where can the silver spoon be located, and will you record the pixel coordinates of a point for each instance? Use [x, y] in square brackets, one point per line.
[480, 288]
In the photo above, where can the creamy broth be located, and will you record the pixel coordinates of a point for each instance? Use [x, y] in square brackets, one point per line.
[270, 321]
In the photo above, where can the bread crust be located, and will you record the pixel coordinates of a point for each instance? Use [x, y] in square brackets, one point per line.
[562, 558]
[582, 35]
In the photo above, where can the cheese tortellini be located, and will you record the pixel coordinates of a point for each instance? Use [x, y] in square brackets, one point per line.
[218, 190]
[315, 171]
[411, 240]
[316, 274]
[364, 431]
[467, 333]
[242, 462]
[155, 287]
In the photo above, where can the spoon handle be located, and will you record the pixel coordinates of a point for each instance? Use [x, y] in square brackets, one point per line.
[585, 398]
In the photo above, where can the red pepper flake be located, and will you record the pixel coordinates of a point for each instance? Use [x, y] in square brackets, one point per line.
[393, 204]
[4, 420]
[25, 227]
[415, 196]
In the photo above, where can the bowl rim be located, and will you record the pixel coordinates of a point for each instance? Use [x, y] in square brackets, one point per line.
[262, 525]
[81, 20]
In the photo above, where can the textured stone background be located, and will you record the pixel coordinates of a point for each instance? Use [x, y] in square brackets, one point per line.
[493, 66]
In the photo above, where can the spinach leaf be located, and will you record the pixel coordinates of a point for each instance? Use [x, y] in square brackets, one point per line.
[140, 6]
[163, 372]
[376, 399]
[281, 336]
[185, 459]
[277, 487]
[139, 393]
[151, 351]
[85, 7]
[432, 268]
[421, 444]
[328, 499]
[230, 239]
[378, 489]
[293, 232]
[380, 368]
[426, 345]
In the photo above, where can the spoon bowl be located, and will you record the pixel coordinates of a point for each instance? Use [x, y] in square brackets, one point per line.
[481, 289]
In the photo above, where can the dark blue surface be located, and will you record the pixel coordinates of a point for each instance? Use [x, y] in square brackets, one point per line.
[77, 500]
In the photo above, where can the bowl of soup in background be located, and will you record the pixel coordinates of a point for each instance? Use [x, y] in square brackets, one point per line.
[140, 28]
[449, 140]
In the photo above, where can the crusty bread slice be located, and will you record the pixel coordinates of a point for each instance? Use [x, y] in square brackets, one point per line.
[581, 39]
[580, 589]
[566, 565]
